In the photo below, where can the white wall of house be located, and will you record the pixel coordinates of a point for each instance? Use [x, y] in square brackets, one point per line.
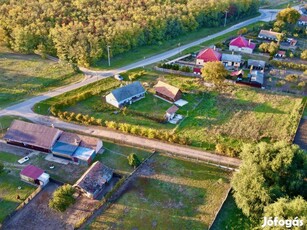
[111, 100]
[199, 62]
[99, 146]
[243, 49]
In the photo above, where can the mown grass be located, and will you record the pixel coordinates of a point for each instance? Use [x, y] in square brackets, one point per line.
[9, 157]
[24, 76]
[8, 193]
[173, 194]
[115, 156]
[231, 217]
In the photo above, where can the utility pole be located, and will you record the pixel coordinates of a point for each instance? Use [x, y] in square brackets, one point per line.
[109, 61]
[179, 48]
[225, 17]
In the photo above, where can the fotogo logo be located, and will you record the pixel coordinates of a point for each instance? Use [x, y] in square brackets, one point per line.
[276, 222]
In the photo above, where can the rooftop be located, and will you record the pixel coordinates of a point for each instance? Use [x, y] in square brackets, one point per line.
[128, 91]
[32, 172]
[241, 41]
[231, 57]
[209, 55]
[172, 109]
[166, 89]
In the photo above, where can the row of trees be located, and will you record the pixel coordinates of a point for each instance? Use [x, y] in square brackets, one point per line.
[79, 31]
[271, 181]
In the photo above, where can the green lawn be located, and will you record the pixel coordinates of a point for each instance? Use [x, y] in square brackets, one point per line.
[115, 156]
[9, 157]
[8, 193]
[231, 217]
[24, 76]
[174, 194]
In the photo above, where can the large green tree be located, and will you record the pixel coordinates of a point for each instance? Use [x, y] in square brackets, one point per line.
[288, 15]
[268, 172]
[214, 72]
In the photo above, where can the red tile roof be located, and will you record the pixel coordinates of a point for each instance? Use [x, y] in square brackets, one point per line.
[303, 18]
[32, 172]
[209, 55]
[172, 109]
[281, 52]
[242, 42]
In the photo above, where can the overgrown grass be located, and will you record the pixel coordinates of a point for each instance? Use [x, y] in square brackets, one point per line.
[9, 191]
[115, 156]
[173, 194]
[24, 76]
[9, 157]
[231, 217]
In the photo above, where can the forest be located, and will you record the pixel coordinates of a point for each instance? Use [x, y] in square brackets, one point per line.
[78, 31]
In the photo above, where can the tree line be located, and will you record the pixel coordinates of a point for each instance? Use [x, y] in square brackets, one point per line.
[79, 31]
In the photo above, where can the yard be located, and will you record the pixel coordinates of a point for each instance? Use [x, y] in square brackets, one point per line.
[231, 117]
[9, 183]
[171, 193]
[24, 76]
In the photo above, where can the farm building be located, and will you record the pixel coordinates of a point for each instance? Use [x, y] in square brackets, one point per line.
[230, 60]
[240, 44]
[303, 20]
[269, 35]
[126, 95]
[171, 112]
[94, 180]
[208, 55]
[167, 92]
[77, 148]
[255, 64]
[33, 136]
[257, 77]
[34, 175]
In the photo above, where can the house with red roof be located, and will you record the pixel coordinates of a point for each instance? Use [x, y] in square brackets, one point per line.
[302, 20]
[34, 175]
[241, 44]
[208, 55]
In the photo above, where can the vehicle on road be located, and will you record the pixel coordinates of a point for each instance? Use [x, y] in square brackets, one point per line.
[118, 77]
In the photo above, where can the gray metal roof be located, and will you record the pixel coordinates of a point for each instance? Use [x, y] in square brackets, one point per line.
[32, 134]
[257, 76]
[231, 57]
[256, 63]
[128, 91]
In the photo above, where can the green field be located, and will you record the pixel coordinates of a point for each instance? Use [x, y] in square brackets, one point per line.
[231, 217]
[24, 76]
[8, 193]
[172, 194]
[231, 117]
[115, 156]
[9, 157]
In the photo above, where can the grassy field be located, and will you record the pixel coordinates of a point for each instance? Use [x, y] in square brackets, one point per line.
[5, 122]
[9, 157]
[115, 157]
[24, 76]
[173, 194]
[234, 116]
[8, 193]
[279, 4]
[231, 217]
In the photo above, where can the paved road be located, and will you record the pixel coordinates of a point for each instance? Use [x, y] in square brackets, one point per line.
[24, 109]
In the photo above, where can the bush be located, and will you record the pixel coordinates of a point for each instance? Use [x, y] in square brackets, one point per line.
[133, 160]
[290, 65]
[62, 198]
[291, 77]
[301, 85]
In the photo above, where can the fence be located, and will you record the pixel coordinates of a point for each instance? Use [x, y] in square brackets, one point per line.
[171, 71]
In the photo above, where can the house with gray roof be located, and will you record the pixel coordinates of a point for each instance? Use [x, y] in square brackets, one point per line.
[255, 64]
[257, 77]
[126, 95]
[94, 180]
[231, 60]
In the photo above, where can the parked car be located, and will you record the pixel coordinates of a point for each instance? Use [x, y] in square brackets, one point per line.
[118, 77]
[23, 160]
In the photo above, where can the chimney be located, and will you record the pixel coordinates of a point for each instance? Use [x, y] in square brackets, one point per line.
[270, 30]
[232, 52]
[214, 47]
[52, 125]
[76, 141]
[249, 42]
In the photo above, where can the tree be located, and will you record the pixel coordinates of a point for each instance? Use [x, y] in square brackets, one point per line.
[214, 72]
[269, 172]
[133, 160]
[288, 15]
[270, 48]
[304, 55]
[62, 198]
[242, 31]
[287, 209]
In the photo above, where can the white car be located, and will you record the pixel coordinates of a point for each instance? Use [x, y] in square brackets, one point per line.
[23, 160]
[118, 77]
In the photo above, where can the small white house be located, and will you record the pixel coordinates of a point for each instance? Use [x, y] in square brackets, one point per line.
[171, 112]
[231, 60]
[126, 95]
[34, 175]
[241, 44]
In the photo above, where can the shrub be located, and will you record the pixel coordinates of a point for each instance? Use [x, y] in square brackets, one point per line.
[133, 160]
[62, 198]
[301, 85]
[291, 77]
[290, 65]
